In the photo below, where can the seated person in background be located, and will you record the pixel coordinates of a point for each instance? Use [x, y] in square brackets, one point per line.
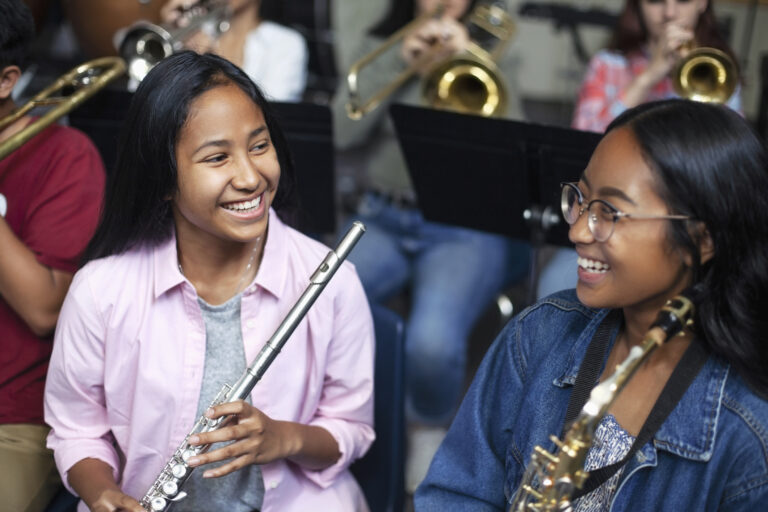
[646, 44]
[650, 38]
[50, 194]
[452, 273]
[189, 273]
[274, 56]
[673, 199]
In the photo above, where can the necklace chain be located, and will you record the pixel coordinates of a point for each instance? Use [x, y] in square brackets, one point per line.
[245, 273]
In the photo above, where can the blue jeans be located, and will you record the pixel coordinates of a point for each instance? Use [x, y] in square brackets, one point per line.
[453, 273]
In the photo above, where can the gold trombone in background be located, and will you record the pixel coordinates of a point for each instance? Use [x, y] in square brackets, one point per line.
[468, 82]
[86, 79]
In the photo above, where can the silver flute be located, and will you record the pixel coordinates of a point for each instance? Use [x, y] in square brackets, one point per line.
[167, 486]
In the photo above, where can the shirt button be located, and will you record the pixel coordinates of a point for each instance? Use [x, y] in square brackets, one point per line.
[640, 457]
[273, 485]
[250, 323]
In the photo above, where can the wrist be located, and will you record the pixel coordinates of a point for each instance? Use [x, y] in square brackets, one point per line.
[292, 439]
[646, 80]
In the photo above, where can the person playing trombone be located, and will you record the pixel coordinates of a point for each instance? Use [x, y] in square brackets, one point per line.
[452, 273]
[51, 189]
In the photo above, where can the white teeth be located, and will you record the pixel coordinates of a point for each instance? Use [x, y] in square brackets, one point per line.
[245, 205]
[593, 265]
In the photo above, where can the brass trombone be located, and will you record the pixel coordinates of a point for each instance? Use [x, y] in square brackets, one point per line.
[705, 74]
[86, 79]
[469, 82]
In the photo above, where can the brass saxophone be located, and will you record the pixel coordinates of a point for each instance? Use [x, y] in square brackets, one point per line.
[550, 480]
[167, 486]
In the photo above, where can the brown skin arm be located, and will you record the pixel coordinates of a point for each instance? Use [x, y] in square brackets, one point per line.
[259, 439]
[93, 481]
[32, 289]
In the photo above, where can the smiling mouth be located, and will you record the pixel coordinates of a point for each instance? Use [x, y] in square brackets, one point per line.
[593, 265]
[244, 206]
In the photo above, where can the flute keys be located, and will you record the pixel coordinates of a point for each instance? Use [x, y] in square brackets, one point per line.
[170, 488]
[158, 503]
[179, 470]
[186, 454]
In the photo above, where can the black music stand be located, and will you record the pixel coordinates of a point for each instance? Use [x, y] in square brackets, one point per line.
[493, 175]
[308, 130]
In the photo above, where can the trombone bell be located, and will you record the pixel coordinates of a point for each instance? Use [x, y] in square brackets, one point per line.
[469, 82]
[467, 85]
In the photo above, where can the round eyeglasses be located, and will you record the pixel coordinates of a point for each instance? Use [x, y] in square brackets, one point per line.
[601, 215]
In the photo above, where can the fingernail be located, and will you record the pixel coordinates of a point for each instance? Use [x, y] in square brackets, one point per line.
[194, 440]
[209, 413]
[208, 474]
[193, 461]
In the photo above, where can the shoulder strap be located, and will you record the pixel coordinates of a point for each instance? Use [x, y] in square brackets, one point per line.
[589, 371]
[686, 370]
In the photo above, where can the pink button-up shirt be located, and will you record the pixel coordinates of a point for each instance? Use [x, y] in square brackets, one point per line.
[127, 365]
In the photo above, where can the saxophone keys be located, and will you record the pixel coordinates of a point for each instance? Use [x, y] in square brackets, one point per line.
[533, 492]
[541, 452]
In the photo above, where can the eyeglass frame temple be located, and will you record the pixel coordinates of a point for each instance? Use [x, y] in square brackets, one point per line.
[617, 213]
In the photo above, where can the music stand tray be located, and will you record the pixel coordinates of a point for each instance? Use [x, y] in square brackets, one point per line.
[486, 173]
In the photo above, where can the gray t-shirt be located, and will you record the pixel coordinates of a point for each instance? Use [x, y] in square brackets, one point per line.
[242, 490]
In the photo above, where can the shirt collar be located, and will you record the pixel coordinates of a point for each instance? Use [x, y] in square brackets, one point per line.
[272, 270]
[691, 428]
[579, 348]
[166, 264]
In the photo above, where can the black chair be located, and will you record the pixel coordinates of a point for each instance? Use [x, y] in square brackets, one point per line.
[380, 472]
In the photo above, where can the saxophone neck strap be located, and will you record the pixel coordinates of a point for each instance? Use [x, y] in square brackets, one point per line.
[589, 372]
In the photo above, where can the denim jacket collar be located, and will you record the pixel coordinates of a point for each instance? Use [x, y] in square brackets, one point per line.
[690, 429]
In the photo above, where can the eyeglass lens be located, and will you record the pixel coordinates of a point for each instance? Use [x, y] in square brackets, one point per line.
[600, 217]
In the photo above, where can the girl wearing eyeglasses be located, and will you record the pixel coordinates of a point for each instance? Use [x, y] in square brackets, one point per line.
[672, 200]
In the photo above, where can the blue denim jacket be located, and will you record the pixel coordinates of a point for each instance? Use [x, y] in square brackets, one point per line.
[710, 454]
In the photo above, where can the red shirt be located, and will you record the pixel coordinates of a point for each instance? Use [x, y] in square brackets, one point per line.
[52, 188]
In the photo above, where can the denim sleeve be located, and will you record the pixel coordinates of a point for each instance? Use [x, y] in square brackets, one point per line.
[752, 497]
[468, 470]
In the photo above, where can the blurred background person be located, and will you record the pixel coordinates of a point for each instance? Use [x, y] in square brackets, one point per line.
[273, 55]
[50, 194]
[650, 39]
[451, 273]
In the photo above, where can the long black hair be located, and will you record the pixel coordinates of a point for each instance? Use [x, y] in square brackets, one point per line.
[137, 208]
[710, 165]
